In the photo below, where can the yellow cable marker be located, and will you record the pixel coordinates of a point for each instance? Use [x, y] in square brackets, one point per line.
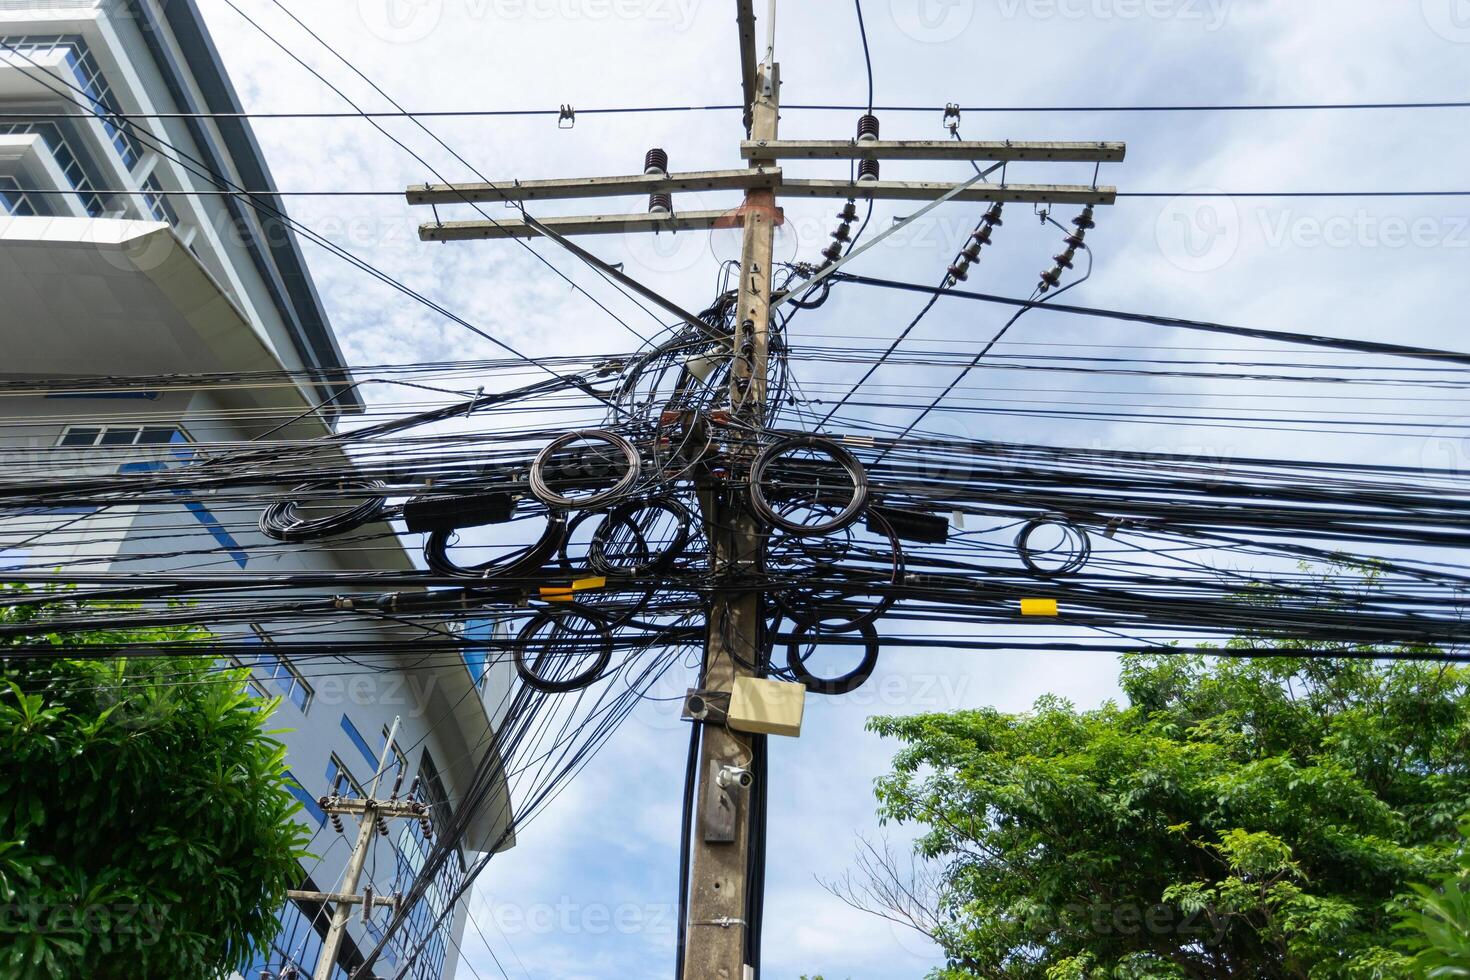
[596, 582]
[556, 595]
[1039, 607]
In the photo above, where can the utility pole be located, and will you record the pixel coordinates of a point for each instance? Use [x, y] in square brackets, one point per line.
[715, 946]
[372, 815]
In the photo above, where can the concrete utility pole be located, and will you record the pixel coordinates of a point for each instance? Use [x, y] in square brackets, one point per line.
[372, 814]
[715, 946]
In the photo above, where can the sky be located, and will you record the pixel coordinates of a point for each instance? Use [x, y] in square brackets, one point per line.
[589, 889]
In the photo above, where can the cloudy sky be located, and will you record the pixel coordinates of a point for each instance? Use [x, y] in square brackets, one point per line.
[589, 890]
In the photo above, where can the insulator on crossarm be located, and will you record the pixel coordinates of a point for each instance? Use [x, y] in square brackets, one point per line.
[972, 254]
[337, 823]
[413, 788]
[843, 233]
[992, 217]
[867, 132]
[1084, 220]
[427, 828]
[656, 163]
[383, 826]
[848, 214]
[832, 252]
[1074, 242]
[1064, 261]
[981, 235]
[367, 903]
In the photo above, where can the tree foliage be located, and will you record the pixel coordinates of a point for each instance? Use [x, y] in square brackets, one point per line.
[1436, 920]
[1243, 818]
[145, 825]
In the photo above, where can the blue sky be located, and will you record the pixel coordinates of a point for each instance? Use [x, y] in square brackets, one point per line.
[588, 891]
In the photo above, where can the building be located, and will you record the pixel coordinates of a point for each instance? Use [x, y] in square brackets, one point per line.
[109, 267]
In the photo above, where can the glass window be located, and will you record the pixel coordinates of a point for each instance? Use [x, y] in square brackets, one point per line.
[308, 802]
[399, 762]
[85, 75]
[356, 738]
[158, 203]
[350, 785]
[66, 158]
[79, 435]
[122, 435]
[13, 200]
[281, 672]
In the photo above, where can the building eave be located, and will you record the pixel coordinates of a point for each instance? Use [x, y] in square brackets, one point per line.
[278, 258]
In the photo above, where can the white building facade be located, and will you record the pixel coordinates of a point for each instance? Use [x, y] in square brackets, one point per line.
[118, 257]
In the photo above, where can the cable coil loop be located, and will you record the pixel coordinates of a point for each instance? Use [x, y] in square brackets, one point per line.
[516, 564]
[532, 669]
[583, 471]
[1075, 540]
[281, 521]
[843, 684]
[802, 485]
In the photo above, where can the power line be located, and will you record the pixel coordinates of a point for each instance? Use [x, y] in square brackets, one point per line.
[795, 107]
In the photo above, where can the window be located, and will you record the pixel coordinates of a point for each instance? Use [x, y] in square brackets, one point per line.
[490, 634]
[412, 849]
[86, 75]
[251, 686]
[308, 802]
[66, 158]
[122, 435]
[158, 203]
[281, 672]
[13, 200]
[350, 784]
[399, 760]
[356, 738]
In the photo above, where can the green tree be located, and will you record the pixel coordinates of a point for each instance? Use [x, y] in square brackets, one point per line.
[1243, 818]
[145, 825]
[1436, 919]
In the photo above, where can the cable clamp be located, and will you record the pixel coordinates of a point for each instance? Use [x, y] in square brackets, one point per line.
[567, 119]
[952, 118]
[724, 922]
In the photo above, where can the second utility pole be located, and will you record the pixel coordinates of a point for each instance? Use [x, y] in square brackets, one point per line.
[715, 948]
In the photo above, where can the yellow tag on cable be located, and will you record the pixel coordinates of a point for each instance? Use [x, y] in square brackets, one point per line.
[596, 582]
[1039, 607]
[556, 595]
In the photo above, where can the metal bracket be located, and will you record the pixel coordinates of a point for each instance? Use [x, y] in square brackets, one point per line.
[720, 809]
[706, 707]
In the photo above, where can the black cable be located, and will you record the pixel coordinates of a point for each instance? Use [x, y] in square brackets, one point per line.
[1310, 340]
[686, 840]
[867, 55]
